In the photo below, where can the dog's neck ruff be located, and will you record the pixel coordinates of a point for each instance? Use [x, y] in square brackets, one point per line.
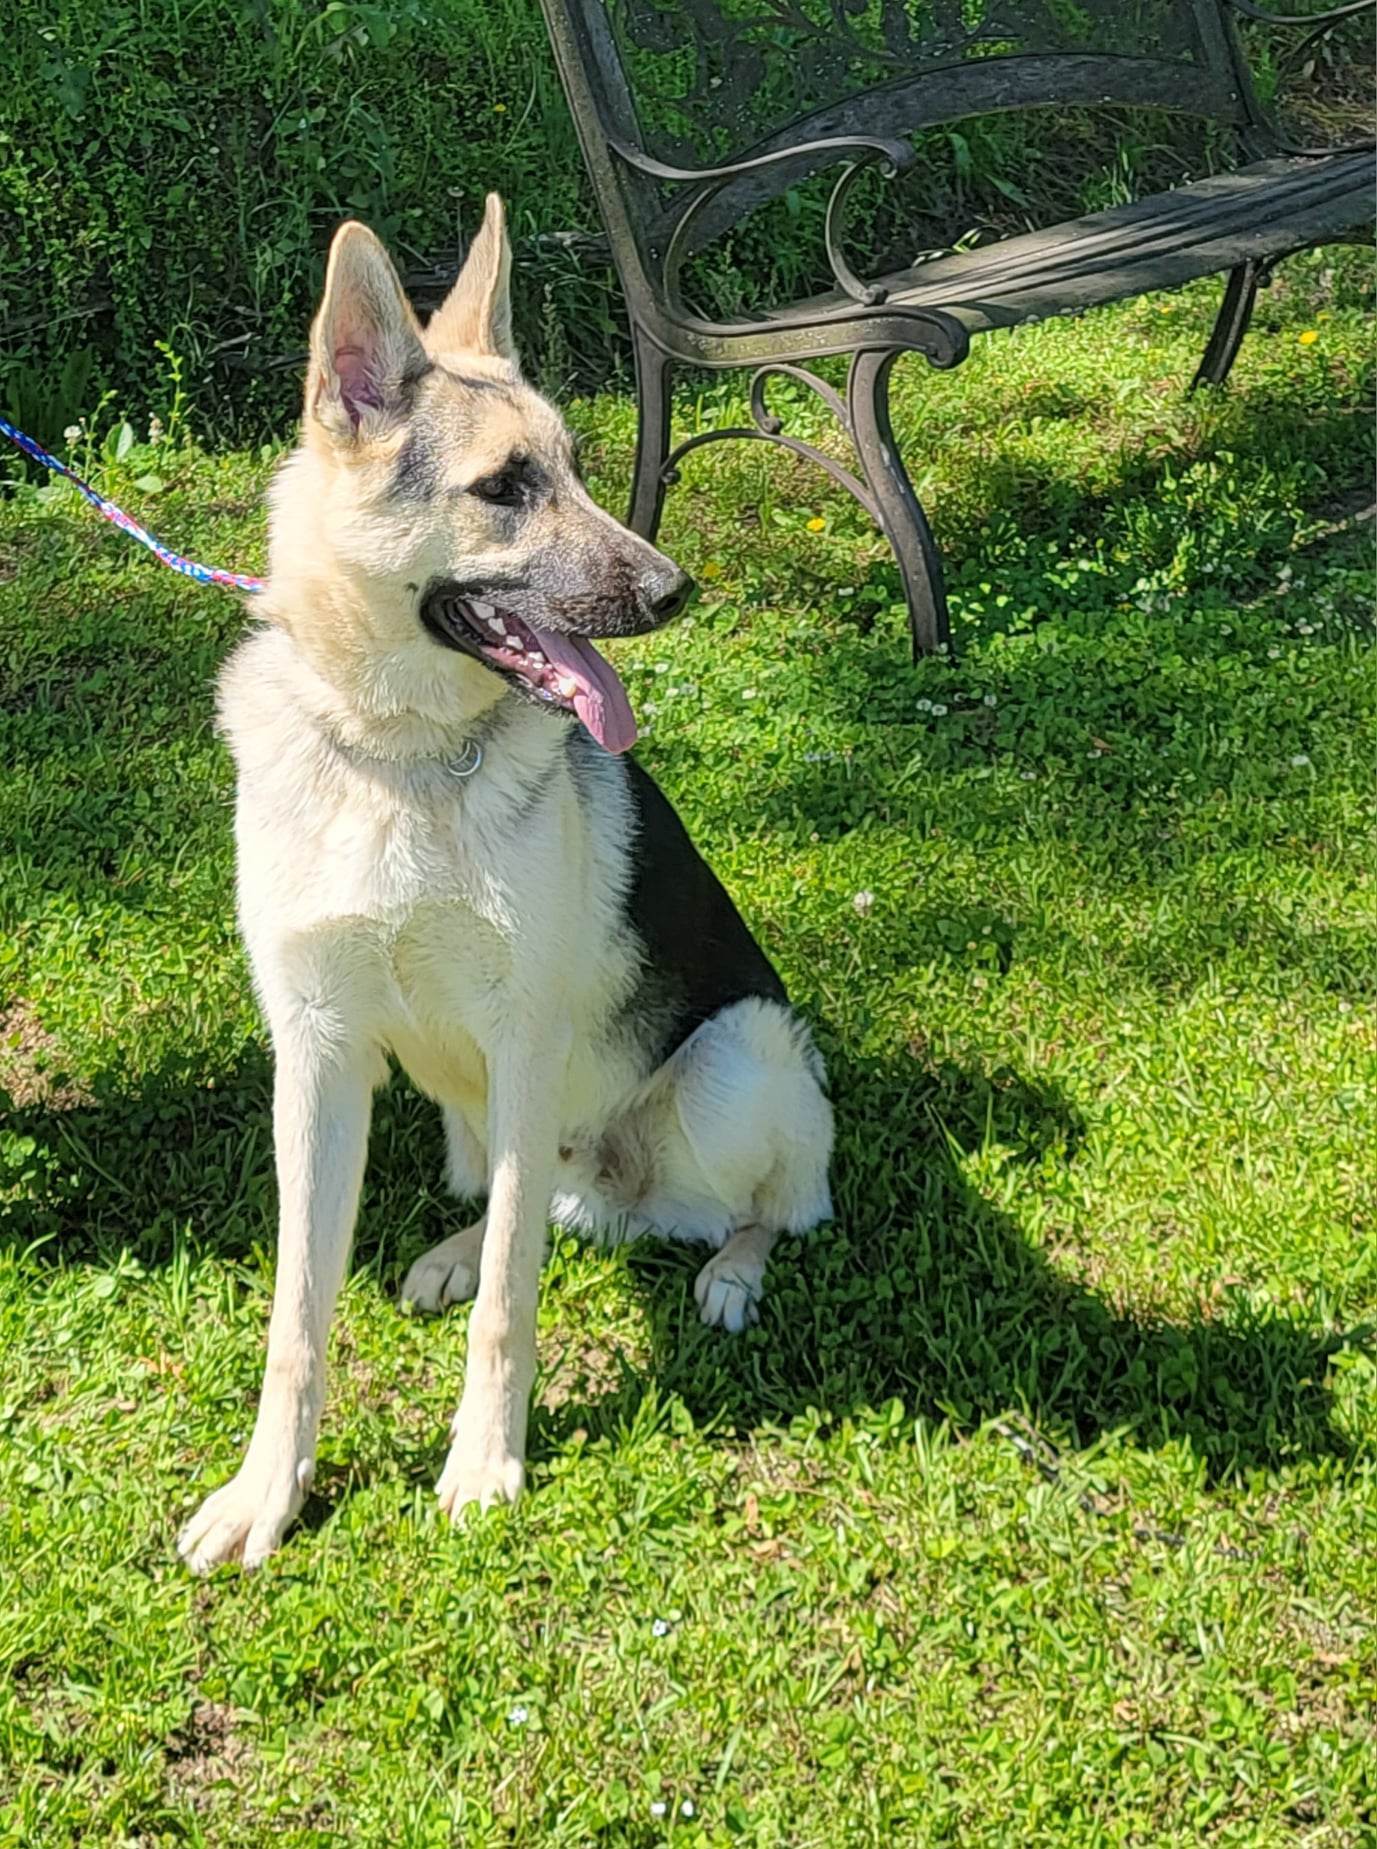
[462, 764]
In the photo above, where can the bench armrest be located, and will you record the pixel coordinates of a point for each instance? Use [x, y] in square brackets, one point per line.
[890, 154]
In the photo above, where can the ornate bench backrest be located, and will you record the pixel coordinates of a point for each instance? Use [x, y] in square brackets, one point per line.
[697, 83]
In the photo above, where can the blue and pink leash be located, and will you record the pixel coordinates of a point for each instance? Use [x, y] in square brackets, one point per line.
[189, 568]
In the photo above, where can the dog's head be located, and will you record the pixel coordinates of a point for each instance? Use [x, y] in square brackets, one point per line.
[442, 491]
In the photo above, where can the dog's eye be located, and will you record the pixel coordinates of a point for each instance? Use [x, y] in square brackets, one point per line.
[503, 490]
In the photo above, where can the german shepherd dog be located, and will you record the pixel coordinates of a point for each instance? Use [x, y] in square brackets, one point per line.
[445, 857]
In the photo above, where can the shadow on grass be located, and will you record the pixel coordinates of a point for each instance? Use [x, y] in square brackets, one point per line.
[939, 1301]
[921, 1290]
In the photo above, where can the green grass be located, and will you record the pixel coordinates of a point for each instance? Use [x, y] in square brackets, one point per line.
[1042, 1505]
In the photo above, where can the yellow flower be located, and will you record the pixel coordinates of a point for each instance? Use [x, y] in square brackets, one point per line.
[1164, 308]
[499, 109]
[815, 525]
[1309, 337]
[711, 570]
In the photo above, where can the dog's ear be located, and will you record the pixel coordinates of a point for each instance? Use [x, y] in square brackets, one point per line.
[476, 316]
[366, 351]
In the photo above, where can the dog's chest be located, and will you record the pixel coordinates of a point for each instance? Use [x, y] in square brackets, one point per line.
[385, 861]
[407, 891]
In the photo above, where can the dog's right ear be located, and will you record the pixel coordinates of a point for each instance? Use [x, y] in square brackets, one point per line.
[366, 352]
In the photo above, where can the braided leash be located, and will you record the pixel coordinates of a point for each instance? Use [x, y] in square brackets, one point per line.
[203, 574]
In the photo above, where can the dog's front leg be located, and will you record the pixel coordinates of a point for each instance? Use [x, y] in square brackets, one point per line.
[487, 1458]
[321, 1106]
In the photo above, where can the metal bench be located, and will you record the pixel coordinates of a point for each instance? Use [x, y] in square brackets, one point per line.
[809, 84]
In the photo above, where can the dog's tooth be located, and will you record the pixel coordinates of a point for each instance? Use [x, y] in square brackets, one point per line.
[484, 611]
[514, 642]
[494, 622]
[567, 685]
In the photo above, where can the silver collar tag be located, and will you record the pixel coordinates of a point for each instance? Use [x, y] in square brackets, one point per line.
[468, 762]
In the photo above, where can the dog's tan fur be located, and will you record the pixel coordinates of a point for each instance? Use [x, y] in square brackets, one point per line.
[472, 926]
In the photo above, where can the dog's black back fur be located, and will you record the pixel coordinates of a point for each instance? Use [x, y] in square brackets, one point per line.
[699, 954]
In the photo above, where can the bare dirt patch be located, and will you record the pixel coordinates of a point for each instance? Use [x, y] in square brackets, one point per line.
[207, 1753]
[31, 1063]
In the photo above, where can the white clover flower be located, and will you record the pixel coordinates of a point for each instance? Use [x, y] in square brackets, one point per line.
[991, 700]
[864, 903]
[1300, 761]
[518, 1716]
[922, 706]
[72, 433]
[1305, 629]
[1273, 654]
[1027, 776]
[658, 1808]
[686, 1808]
[660, 1628]
[939, 712]
[748, 693]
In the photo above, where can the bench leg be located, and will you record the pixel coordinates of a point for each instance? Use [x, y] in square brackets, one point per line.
[1235, 312]
[654, 395]
[899, 511]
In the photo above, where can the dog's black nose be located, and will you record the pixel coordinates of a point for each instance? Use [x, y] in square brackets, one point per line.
[669, 596]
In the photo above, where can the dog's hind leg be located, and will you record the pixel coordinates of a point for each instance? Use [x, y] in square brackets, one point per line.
[743, 1136]
[731, 1284]
[448, 1272]
[466, 1162]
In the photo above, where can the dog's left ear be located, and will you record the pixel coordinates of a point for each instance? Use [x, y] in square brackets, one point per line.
[366, 351]
[476, 316]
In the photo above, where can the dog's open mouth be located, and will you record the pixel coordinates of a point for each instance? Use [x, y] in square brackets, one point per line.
[561, 669]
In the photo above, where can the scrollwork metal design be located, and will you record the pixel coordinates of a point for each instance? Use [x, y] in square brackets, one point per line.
[889, 155]
[869, 294]
[721, 74]
[766, 427]
[1324, 21]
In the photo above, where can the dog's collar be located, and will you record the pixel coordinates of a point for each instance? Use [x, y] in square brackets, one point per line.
[460, 765]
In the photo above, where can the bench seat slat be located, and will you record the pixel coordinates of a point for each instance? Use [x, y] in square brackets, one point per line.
[1160, 242]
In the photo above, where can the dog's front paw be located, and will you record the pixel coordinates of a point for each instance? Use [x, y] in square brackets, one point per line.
[244, 1521]
[480, 1469]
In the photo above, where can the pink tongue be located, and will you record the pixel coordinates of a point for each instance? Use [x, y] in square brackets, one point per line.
[601, 701]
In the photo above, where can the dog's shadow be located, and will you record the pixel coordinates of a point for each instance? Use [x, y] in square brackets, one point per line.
[921, 1290]
[924, 1292]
